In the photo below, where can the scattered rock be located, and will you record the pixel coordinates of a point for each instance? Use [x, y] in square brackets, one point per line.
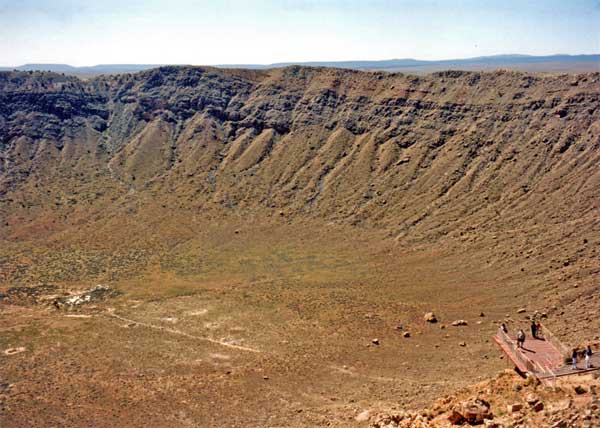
[521, 311]
[458, 323]
[363, 416]
[5, 388]
[474, 411]
[516, 407]
[531, 398]
[430, 317]
[33, 294]
[538, 407]
[99, 292]
[462, 344]
[455, 417]
[13, 351]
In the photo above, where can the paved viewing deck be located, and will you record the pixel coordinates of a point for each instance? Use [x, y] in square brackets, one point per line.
[543, 358]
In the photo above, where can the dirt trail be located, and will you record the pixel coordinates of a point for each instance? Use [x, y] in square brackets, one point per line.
[182, 333]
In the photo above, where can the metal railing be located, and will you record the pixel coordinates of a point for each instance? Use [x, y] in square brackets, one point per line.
[530, 366]
[546, 375]
[551, 338]
[551, 377]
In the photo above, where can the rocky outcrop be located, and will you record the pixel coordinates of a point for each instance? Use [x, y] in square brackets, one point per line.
[456, 156]
[414, 144]
[480, 405]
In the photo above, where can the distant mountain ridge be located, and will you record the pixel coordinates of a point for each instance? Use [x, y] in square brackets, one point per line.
[531, 63]
[395, 64]
[93, 70]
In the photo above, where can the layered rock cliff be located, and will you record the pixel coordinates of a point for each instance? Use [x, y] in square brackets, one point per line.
[453, 154]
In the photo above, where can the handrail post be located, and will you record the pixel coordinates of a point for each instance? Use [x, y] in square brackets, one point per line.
[554, 340]
[529, 365]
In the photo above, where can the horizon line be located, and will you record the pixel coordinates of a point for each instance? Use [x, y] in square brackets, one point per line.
[237, 64]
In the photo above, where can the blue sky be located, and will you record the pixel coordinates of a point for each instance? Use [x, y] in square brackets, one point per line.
[88, 32]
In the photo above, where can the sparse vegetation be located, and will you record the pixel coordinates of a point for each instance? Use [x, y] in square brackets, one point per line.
[262, 227]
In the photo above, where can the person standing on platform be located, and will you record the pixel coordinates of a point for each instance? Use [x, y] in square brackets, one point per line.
[520, 338]
[533, 329]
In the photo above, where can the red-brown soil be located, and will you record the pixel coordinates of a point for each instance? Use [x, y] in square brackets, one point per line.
[261, 228]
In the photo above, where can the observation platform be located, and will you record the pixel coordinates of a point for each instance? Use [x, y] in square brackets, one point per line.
[544, 358]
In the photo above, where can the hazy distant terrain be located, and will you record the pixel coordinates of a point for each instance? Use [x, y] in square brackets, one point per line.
[552, 63]
[546, 64]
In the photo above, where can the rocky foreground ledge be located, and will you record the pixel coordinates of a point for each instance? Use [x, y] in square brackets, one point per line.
[507, 401]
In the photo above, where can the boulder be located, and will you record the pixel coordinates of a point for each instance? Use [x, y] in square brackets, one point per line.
[455, 417]
[579, 389]
[13, 351]
[516, 407]
[531, 399]
[473, 411]
[406, 334]
[476, 411]
[363, 416]
[538, 407]
[430, 317]
[458, 323]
